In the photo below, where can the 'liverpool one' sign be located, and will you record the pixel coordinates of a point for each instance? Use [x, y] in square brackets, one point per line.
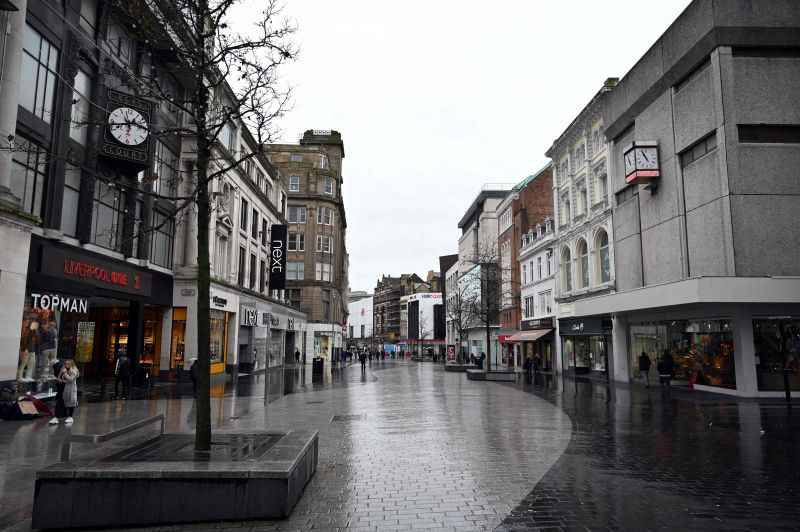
[277, 258]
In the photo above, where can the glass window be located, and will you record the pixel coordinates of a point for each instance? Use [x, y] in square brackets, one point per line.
[69, 205]
[325, 216]
[39, 71]
[79, 117]
[108, 215]
[603, 257]
[254, 225]
[161, 242]
[264, 232]
[323, 272]
[29, 175]
[702, 350]
[118, 43]
[777, 344]
[165, 170]
[295, 271]
[218, 335]
[323, 161]
[294, 183]
[243, 216]
[296, 158]
[328, 184]
[252, 284]
[324, 244]
[566, 270]
[583, 263]
[221, 263]
[297, 214]
[297, 242]
[262, 278]
[585, 354]
[89, 16]
[326, 304]
[242, 259]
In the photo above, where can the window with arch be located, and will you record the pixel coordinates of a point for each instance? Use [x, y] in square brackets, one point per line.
[603, 256]
[582, 250]
[566, 270]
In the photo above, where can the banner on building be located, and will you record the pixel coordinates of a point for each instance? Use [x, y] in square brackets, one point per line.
[277, 258]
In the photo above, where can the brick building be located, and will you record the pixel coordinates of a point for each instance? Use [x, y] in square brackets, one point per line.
[317, 262]
[388, 292]
[528, 204]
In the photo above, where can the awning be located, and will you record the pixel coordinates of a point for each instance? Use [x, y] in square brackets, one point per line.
[529, 336]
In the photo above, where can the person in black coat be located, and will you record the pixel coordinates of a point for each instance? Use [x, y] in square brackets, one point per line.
[666, 370]
[644, 368]
[194, 372]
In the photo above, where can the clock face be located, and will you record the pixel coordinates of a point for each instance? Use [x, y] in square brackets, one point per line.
[630, 162]
[128, 126]
[647, 158]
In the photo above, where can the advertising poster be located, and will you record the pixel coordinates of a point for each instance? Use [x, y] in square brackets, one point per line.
[85, 341]
[451, 353]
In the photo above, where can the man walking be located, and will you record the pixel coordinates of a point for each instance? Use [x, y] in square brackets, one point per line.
[122, 372]
[644, 368]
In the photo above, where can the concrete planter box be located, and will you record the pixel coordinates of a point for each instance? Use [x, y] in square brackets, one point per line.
[126, 490]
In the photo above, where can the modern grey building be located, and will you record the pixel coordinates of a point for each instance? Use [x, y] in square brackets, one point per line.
[707, 256]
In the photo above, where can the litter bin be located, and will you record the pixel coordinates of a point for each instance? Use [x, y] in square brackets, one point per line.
[317, 365]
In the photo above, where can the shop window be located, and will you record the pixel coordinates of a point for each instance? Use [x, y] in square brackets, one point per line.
[39, 72]
[218, 336]
[703, 350]
[777, 345]
[69, 205]
[583, 263]
[566, 270]
[163, 228]
[29, 174]
[178, 341]
[603, 257]
[107, 218]
[79, 117]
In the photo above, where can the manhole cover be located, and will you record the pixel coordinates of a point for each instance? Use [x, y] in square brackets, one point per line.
[348, 418]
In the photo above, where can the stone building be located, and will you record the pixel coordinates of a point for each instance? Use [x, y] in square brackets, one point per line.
[584, 250]
[317, 264]
[388, 292]
[707, 252]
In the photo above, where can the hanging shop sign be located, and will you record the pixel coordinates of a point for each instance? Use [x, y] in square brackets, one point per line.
[60, 303]
[541, 323]
[88, 269]
[277, 260]
[585, 327]
[219, 301]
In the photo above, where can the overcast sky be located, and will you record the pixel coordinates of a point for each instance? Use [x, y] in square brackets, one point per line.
[435, 98]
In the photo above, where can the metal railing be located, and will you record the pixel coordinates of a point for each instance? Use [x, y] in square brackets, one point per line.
[66, 446]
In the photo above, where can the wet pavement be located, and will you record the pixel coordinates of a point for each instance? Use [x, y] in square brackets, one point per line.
[408, 446]
[642, 460]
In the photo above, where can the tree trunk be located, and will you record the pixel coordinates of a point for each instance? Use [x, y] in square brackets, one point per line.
[203, 424]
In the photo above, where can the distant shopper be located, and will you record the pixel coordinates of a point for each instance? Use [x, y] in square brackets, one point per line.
[644, 368]
[296, 356]
[528, 367]
[194, 373]
[304, 358]
[363, 359]
[666, 370]
[122, 373]
[69, 376]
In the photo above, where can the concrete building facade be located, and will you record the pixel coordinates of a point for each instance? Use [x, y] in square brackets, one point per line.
[706, 255]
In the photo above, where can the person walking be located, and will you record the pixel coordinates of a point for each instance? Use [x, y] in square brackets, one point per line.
[296, 356]
[528, 366]
[122, 373]
[644, 368]
[194, 373]
[666, 370]
[363, 359]
[69, 376]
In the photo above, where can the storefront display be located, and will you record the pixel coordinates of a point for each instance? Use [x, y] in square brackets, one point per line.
[218, 339]
[178, 341]
[585, 345]
[777, 351]
[702, 350]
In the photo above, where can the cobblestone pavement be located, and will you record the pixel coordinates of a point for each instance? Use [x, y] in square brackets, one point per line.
[639, 460]
[402, 446]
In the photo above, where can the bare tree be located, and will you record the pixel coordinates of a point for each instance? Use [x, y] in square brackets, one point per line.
[231, 77]
[459, 310]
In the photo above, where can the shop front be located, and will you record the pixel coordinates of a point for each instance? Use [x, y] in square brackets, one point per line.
[93, 309]
[535, 341]
[585, 346]
[253, 334]
[777, 353]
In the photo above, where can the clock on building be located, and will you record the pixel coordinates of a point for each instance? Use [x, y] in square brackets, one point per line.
[641, 163]
[126, 134]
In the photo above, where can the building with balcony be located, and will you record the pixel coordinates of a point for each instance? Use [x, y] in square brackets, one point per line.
[584, 234]
[317, 266]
